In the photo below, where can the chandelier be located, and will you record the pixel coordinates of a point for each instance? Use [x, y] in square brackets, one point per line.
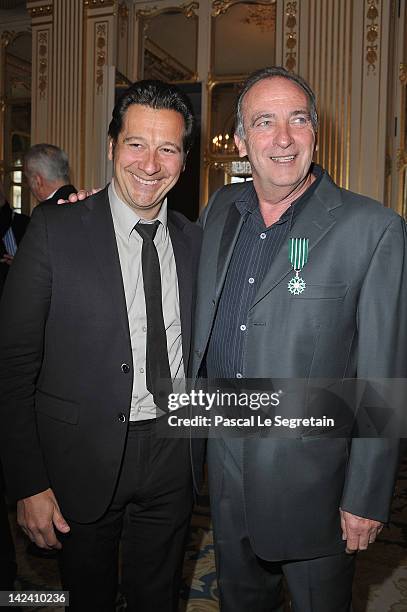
[223, 144]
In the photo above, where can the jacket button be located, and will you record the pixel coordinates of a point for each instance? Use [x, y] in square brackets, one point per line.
[121, 417]
[198, 353]
[125, 368]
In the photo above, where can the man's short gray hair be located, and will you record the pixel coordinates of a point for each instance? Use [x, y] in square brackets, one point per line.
[269, 73]
[49, 161]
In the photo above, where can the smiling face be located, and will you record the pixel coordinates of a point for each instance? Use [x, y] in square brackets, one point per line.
[148, 157]
[279, 138]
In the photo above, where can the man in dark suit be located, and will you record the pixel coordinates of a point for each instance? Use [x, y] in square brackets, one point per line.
[292, 506]
[12, 229]
[46, 168]
[99, 298]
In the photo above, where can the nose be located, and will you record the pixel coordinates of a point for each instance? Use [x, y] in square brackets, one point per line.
[282, 135]
[150, 163]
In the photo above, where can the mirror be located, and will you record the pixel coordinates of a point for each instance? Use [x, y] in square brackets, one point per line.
[164, 54]
[243, 37]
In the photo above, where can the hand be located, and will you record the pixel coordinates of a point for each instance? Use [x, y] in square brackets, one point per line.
[81, 195]
[37, 515]
[7, 259]
[358, 532]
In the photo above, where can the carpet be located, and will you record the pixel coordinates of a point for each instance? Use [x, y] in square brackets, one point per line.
[380, 582]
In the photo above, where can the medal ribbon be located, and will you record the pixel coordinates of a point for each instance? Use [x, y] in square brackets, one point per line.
[298, 252]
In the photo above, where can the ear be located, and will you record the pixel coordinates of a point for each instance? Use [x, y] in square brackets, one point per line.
[111, 149]
[241, 146]
[38, 181]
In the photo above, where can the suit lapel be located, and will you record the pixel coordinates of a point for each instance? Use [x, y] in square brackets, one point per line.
[232, 226]
[314, 222]
[98, 223]
[182, 254]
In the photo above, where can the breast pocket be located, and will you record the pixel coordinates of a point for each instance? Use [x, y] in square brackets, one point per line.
[333, 291]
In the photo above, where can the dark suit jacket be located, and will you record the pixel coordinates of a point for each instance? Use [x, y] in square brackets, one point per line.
[62, 383]
[61, 194]
[350, 322]
[18, 224]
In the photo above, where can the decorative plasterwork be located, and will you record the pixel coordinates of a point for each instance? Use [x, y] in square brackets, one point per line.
[123, 18]
[100, 54]
[98, 3]
[401, 160]
[42, 45]
[372, 35]
[291, 36]
[41, 11]
[403, 73]
[388, 165]
[189, 10]
[262, 16]
[6, 38]
[219, 7]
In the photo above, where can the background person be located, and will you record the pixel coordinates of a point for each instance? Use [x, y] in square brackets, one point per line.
[46, 168]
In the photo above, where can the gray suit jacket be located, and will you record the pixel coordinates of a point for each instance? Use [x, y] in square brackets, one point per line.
[349, 323]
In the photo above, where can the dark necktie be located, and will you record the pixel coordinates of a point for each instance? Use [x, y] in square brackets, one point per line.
[158, 375]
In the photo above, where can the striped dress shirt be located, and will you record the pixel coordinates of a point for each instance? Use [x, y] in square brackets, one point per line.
[253, 255]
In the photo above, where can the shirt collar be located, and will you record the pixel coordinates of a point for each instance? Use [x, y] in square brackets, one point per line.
[51, 195]
[125, 218]
[248, 201]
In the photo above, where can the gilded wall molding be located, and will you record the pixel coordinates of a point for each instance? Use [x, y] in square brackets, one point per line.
[219, 7]
[151, 12]
[401, 160]
[403, 73]
[388, 165]
[123, 19]
[372, 35]
[100, 54]
[6, 38]
[94, 4]
[42, 46]
[41, 11]
[189, 10]
[291, 36]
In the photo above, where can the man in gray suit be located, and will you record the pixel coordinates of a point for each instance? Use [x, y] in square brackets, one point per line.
[298, 508]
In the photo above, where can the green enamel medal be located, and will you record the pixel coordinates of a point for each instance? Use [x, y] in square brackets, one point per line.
[298, 256]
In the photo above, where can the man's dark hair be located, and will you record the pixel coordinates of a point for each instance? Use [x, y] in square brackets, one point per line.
[157, 95]
[268, 73]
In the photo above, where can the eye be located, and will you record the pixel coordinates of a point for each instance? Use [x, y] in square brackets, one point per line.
[169, 150]
[299, 120]
[264, 123]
